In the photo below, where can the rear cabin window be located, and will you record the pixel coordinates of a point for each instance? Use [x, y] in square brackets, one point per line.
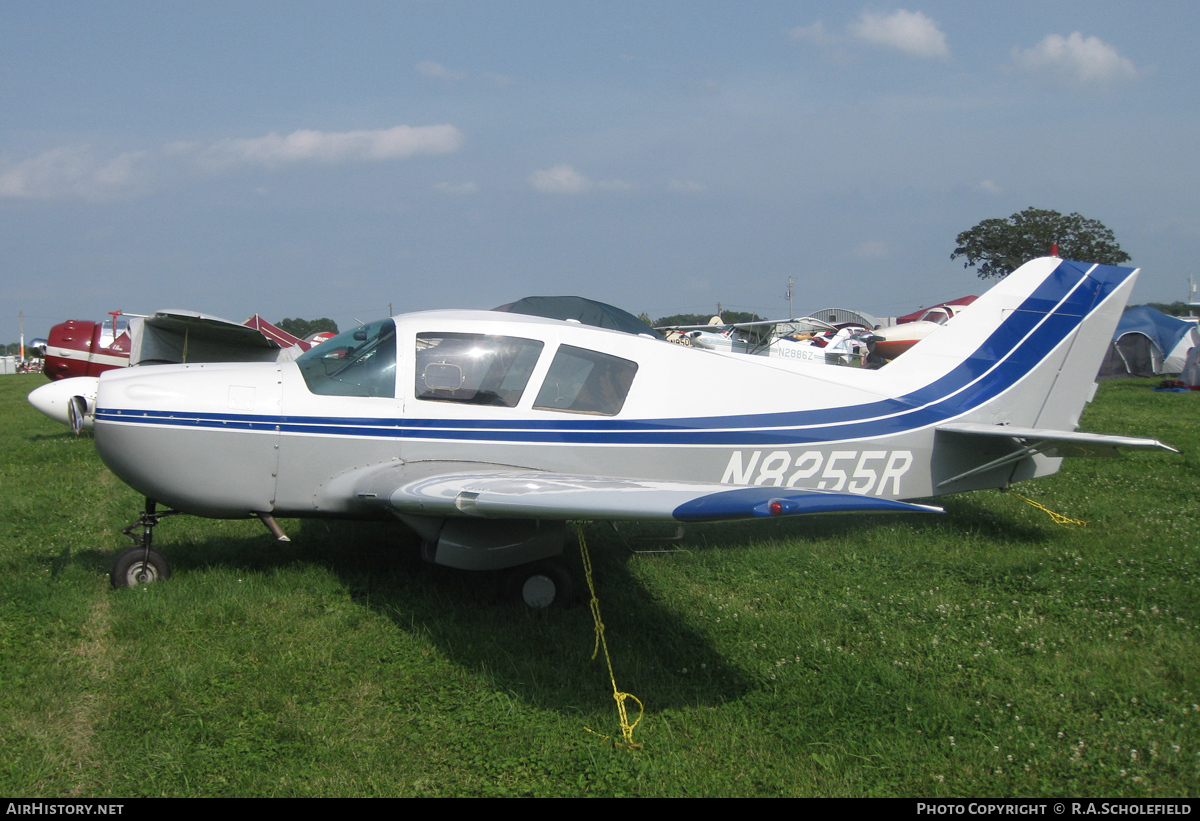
[361, 362]
[583, 381]
[474, 369]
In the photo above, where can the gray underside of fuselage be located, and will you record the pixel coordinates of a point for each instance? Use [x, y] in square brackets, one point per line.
[313, 475]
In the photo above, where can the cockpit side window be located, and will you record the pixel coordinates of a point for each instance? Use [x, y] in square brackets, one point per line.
[474, 369]
[361, 362]
[583, 381]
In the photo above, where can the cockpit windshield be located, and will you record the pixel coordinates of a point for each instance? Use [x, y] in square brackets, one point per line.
[361, 362]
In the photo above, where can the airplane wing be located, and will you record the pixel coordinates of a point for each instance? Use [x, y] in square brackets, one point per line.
[188, 336]
[532, 495]
[816, 324]
[212, 328]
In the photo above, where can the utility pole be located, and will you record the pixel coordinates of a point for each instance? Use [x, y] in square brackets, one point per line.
[21, 321]
[791, 284]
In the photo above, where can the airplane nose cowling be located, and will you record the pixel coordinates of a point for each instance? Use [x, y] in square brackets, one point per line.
[55, 399]
[202, 439]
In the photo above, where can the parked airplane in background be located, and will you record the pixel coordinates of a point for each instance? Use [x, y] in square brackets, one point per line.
[81, 348]
[890, 342]
[486, 432]
[805, 340]
[79, 351]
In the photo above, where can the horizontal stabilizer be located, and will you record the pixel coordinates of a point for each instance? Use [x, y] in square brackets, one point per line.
[560, 496]
[1064, 443]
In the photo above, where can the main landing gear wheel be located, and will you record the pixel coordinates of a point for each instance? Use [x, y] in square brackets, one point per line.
[541, 584]
[137, 566]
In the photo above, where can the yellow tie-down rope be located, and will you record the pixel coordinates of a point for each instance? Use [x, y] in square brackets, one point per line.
[1059, 519]
[622, 713]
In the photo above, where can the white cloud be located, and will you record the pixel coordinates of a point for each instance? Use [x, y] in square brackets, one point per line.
[1075, 60]
[564, 179]
[871, 249]
[431, 70]
[345, 146]
[457, 187]
[437, 71]
[989, 187]
[814, 33]
[78, 172]
[688, 186]
[909, 32]
[561, 179]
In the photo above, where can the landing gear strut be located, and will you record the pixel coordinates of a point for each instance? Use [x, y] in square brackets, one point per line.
[142, 564]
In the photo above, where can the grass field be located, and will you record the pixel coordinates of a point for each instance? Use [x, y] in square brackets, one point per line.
[985, 652]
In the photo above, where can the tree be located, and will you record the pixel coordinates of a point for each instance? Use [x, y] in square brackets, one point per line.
[702, 319]
[997, 247]
[1176, 308]
[303, 327]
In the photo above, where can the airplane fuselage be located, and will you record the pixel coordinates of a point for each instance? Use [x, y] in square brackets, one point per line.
[485, 431]
[236, 439]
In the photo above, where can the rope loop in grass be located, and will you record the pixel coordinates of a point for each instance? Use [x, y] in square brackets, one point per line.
[602, 644]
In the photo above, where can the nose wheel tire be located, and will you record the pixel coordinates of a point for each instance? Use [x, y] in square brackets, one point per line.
[541, 585]
[137, 566]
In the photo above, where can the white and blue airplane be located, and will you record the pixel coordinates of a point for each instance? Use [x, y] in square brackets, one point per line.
[486, 432]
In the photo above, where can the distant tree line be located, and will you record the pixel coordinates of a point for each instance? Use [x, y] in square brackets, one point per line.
[729, 317]
[1176, 308]
[304, 327]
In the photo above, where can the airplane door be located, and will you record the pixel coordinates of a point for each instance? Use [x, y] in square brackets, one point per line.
[341, 413]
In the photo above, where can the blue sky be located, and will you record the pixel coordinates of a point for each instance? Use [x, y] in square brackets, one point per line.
[322, 159]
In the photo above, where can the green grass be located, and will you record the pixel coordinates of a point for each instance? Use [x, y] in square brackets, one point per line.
[986, 652]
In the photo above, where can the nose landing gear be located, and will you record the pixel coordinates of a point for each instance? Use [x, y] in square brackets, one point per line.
[141, 564]
[137, 566]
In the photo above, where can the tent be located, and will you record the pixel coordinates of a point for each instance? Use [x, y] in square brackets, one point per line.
[1149, 343]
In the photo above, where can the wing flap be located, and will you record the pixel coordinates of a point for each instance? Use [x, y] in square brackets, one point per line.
[531, 495]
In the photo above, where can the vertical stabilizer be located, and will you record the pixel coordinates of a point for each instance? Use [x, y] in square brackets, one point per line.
[1026, 353]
